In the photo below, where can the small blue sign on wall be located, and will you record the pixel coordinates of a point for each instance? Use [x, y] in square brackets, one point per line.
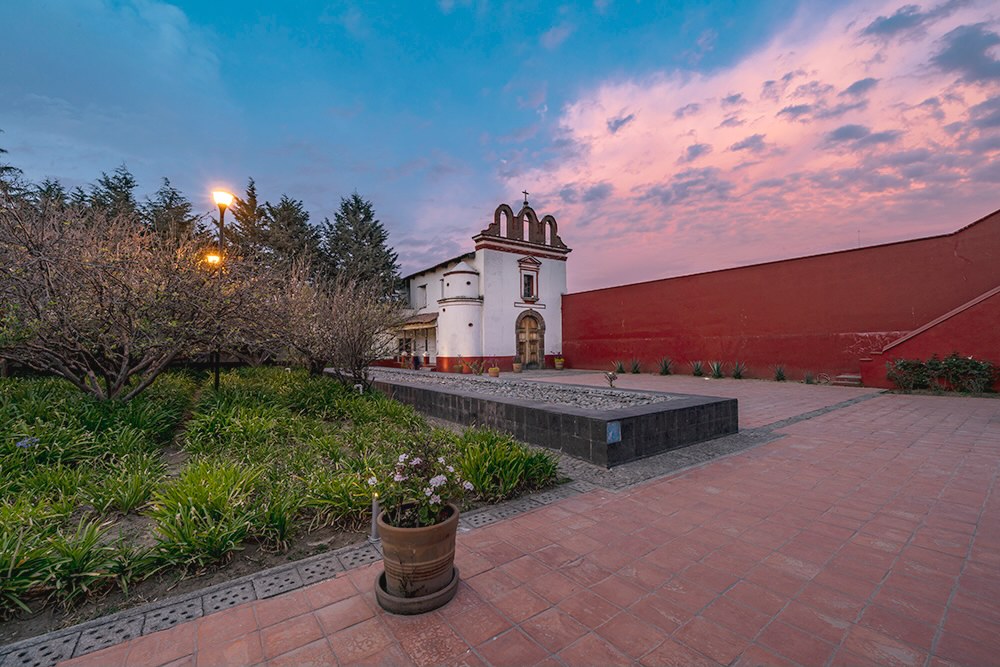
[614, 432]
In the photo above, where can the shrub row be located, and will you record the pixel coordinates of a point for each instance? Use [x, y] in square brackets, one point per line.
[953, 373]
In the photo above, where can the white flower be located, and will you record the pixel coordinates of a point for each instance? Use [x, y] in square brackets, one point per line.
[403, 457]
[435, 499]
[399, 478]
[450, 469]
[415, 462]
[468, 486]
[440, 459]
[372, 481]
[428, 491]
[438, 481]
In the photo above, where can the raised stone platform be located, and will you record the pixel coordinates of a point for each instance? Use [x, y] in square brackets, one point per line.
[605, 436]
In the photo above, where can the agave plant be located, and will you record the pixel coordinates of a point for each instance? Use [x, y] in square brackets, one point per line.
[739, 370]
[779, 373]
[718, 369]
[697, 368]
[666, 365]
[619, 367]
[635, 366]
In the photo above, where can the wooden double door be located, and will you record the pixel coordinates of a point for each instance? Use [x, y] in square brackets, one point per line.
[530, 341]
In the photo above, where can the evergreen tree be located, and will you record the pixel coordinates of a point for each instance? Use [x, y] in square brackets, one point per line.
[356, 247]
[113, 194]
[290, 237]
[249, 231]
[169, 213]
[50, 193]
[10, 178]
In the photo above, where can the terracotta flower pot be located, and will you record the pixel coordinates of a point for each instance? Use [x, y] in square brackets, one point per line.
[559, 364]
[517, 367]
[494, 372]
[418, 561]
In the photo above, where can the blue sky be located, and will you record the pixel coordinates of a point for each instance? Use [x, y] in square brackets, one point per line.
[437, 112]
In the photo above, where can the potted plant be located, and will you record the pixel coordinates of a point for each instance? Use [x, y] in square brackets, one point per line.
[493, 369]
[517, 363]
[558, 361]
[427, 358]
[417, 527]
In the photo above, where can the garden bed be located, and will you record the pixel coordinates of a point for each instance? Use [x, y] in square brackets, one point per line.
[106, 505]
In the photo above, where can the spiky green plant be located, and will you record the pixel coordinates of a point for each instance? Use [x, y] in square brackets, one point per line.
[666, 365]
[779, 373]
[717, 368]
[697, 368]
[80, 564]
[739, 370]
[809, 378]
[618, 367]
[635, 366]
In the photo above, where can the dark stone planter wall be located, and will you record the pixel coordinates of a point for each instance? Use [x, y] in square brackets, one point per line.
[604, 437]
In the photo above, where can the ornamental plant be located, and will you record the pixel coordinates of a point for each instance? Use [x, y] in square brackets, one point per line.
[417, 489]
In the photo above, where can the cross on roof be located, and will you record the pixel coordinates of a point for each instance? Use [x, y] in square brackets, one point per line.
[525, 197]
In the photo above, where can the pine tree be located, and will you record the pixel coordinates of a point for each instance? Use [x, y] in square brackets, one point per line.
[169, 213]
[355, 246]
[114, 193]
[249, 232]
[290, 237]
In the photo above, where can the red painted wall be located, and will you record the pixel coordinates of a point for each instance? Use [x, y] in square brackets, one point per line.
[820, 313]
[971, 331]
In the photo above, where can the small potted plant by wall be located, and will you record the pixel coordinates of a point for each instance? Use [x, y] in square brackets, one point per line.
[417, 527]
[517, 363]
[427, 358]
[493, 369]
[558, 361]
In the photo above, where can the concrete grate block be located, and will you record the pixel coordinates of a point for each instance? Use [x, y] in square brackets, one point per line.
[479, 519]
[43, 654]
[279, 582]
[360, 556]
[228, 597]
[326, 567]
[168, 617]
[513, 509]
[559, 493]
[109, 634]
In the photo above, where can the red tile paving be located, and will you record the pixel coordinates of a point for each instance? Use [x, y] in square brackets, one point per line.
[866, 535]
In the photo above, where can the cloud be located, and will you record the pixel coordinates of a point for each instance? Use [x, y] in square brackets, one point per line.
[596, 193]
[847, 133]
[909, 19]
[695, 151]
[617, 123]
[553, 38]
[687, 110]
[860, 87]
[967, 50]
[754, 143]
[892, 135]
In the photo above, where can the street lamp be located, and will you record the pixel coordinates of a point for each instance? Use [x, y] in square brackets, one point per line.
[223, 199]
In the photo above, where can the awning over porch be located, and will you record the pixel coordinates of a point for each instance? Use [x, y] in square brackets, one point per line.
[417, 322]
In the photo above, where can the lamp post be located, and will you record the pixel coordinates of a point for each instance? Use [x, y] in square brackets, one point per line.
[223, 199]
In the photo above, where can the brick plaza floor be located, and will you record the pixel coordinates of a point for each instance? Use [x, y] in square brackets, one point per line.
[869, 535]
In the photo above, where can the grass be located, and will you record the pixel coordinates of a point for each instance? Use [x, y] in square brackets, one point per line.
[270, 456]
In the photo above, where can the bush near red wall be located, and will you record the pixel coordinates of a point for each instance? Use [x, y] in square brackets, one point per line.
[818, 314]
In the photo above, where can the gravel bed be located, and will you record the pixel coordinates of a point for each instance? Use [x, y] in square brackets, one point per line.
[583, 397]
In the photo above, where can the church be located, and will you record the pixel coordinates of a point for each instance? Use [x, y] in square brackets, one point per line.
[502, 300]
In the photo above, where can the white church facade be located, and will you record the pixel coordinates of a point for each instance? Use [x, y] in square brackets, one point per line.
[502, 300]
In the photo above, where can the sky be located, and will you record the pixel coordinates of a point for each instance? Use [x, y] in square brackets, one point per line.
[667, 138]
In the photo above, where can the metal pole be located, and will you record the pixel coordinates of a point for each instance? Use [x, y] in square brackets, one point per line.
[222, 236]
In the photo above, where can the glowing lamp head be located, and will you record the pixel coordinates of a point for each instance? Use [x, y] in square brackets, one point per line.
[213, 259]
[222, 198]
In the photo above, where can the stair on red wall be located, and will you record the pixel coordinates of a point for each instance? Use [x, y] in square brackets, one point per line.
[847, 380]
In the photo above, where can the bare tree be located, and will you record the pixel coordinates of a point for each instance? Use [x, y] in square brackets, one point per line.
[105, 303]
[344, 324]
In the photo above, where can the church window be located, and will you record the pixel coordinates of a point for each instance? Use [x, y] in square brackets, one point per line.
[529, 286]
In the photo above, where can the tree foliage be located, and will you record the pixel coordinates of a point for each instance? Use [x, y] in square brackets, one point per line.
[170, 214]
[355, 246]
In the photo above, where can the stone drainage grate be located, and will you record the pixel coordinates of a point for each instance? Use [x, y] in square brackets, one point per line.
[49, 649]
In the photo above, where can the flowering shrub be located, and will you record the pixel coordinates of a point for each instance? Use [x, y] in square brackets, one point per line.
[417, 489]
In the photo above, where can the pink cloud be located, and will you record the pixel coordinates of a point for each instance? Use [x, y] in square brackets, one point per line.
[884, 132]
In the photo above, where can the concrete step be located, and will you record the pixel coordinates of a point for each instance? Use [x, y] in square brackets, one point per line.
[847, 380]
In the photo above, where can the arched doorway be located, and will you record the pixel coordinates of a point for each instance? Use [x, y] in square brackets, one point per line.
[530, 337]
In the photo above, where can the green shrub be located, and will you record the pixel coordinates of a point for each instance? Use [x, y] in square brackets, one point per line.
[908, 374]
[739, 370]
[129, 483]
[499, 467]
[635, 366]
[779, 373]
[666, 365]
[206, 513]
[809, 378]
[954, 372]
[80, 564]
[23, 568]
[717, 369]
[618, 367]
[338, 496]
[697, 368]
